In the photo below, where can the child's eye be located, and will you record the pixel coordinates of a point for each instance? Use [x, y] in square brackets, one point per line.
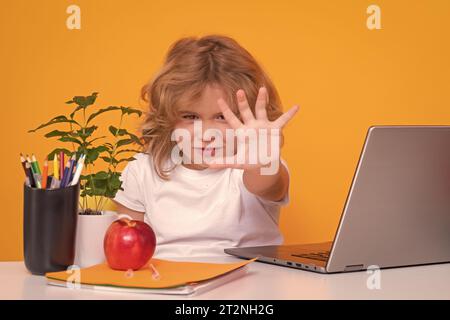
[190, 116]
[221, 117]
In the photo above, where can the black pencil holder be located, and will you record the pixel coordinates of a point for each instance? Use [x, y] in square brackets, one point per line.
[49, 228]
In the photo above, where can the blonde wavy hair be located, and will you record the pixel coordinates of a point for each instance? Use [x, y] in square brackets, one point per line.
[190, 65]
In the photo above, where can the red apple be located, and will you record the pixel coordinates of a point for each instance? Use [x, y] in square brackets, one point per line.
[129, 244]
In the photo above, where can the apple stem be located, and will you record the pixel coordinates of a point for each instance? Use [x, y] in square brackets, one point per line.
[129, 222]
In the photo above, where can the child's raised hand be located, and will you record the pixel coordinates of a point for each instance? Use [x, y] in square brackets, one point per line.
[266, 132]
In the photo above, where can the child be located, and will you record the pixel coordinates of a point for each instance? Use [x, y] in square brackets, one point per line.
[200, 208]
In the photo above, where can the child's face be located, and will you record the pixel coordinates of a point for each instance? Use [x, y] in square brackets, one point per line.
[207, 111]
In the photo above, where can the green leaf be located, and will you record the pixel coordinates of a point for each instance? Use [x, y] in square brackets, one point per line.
[94, 185]
[75, 111]
[103, 184]
[110, 193]
[57, 119]
[101, 148]
[98, 191]
[70, 139]
[84, 181]
[115, 183]
[117, 132]
[57, 133]
[93, 153]
[124, 142]
[106, 159]
[101, 175]
[127, 150]
[98, 138]
[135, 139]
[110, 160]
[95, 114]
[128, 111]
[84, 101]
[91, 156]
[126, 159]
[86, 132]
[108, 145]
[122, 132]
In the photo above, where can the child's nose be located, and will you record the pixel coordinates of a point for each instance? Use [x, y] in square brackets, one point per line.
[212, 131]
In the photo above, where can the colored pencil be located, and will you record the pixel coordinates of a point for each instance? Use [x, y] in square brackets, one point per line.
[45, 174]
[61, 165]
[66, 174]
[29, 173]
[78, 171]
[73, 161]
[36, 176]
[36, 164]
[23, 161]
[55, 167]
[25, 170]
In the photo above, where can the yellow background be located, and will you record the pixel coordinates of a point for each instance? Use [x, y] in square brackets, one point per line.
[320, 55]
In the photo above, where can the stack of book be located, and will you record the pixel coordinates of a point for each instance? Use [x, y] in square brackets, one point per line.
[174, 277]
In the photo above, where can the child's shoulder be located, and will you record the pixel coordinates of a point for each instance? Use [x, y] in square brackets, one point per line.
[141, 156]
[142, 160]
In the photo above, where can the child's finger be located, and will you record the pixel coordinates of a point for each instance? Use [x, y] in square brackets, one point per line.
[231, 118]
[244, 108]
[261, 102]
[286, 117]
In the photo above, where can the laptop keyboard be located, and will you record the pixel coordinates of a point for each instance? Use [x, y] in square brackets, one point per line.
[319, 255]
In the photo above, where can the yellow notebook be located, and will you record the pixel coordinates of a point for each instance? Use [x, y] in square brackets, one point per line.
[180, 276]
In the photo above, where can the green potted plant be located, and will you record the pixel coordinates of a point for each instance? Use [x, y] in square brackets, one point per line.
[96, 186]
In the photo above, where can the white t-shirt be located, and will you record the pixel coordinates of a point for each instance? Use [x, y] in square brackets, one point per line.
[199, 213]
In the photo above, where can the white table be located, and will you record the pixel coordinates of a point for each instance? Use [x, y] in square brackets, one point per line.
[263, 281]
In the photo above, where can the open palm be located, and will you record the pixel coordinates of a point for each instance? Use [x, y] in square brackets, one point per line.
[265, 132]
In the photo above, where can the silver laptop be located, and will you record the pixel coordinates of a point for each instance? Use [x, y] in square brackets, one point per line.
[397, 212]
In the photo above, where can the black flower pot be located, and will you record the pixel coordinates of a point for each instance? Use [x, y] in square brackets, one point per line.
[49, 228]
